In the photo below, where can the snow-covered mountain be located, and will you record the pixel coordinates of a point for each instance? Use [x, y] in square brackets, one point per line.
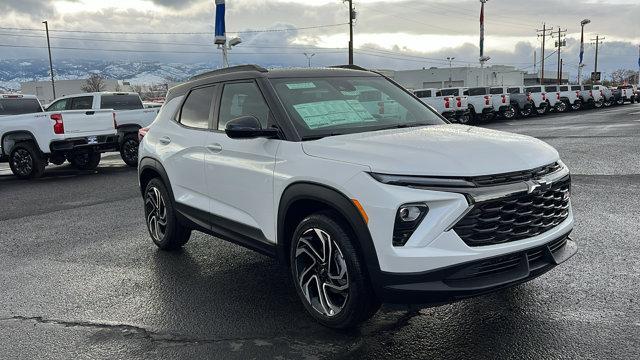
[13, 72]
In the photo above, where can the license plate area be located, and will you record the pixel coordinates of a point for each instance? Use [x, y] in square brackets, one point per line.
[91, 140]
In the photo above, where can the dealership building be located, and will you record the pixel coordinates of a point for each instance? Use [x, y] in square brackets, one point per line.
[44, 92]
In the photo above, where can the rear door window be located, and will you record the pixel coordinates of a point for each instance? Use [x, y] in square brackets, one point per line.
[19, 106]
[121, 102]
[450, 92]
[477, 91]
[82, 103]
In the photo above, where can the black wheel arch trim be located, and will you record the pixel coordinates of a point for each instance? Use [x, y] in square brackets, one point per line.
[29, 135]
[340, 203]
[148, 163]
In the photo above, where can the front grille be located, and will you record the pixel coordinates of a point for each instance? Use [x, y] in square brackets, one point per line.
[516, 217]
[517, 176]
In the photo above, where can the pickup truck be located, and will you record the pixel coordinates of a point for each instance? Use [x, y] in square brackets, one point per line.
[479, 106]
[29, 142]
[571, 95]
[628, 94]
[459, 102]
[607, 95]
[454, 108]
[539, 97]
[519, 99]
[591, 98]
[554, 97]
[130, 112]
[499, 102]
[17, 104]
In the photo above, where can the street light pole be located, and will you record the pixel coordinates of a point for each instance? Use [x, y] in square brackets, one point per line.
[450, 74]
[581, 65]
[352, 16]
[53, 83]
[309, 56]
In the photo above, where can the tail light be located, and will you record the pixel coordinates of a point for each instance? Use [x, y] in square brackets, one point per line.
[528, 96]
[487, 100]
[591, 93]
[115, 123]
[558, 96]
[504, 99]
[578, 93]
[446, 103]
[142, 132]
[544, 96]
[458, 102]
[58, 126]
[602, 93]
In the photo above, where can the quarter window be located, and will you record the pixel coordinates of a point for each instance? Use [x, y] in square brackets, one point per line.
[240, 99]
[58, 105]
[197, 108]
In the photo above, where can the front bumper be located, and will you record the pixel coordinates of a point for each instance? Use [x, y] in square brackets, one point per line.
[103, 143]
[476, 277]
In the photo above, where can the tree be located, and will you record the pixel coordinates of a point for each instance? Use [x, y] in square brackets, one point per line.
[95, 83]
[621, 76]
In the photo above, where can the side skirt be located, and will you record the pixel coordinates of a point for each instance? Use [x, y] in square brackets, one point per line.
[225, 229]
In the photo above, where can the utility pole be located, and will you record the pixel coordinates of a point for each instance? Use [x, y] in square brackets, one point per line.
[560, 43]
[561, 69]
[352, 17]
[450, 61]
[543, 33]
[535, 60]
[483, 59]
[598, 39]
[53, 83]
[309, 56]
[581, 65]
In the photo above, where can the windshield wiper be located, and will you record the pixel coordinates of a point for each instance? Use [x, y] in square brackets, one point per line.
[408, 125]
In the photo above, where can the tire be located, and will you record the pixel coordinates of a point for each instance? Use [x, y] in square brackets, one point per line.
[608, 103]
[86, 161]
[464, 119]
[598, 104]
[509, 114]
[163, 226]
[543, 110]
[577, 105]
[129, 150]
[25, 161]
[620, 101]
[561, 107]
[526, 111]
[320, 241]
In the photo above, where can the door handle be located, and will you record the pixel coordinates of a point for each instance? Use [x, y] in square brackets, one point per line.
[214, 148]
[90, 113]
[165, 140]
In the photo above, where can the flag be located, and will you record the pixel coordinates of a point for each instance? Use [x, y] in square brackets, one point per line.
[482, 31]
[581, 47]
[220, 31]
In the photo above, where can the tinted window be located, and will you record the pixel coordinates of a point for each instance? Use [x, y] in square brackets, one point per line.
[121, 102]
[513, 90]
[575, 88]
[82, 103]
[58, 105]
[423, 93]
[496, 91]
[551, 88]
[477, 91]
[534, 89]
[564, 88]
[587, 87]
[449, 92]
[196, 109]
[245, 99]
[19, 106]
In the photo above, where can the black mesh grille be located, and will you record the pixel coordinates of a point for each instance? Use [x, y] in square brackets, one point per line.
[517, 176]
[516, 217]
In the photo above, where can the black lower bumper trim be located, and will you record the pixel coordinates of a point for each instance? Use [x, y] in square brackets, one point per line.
[103, 143]
[476, 277]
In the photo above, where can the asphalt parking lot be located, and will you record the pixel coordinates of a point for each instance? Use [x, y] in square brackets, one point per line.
[80, 278]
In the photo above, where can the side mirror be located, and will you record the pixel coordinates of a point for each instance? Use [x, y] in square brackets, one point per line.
[248, 127]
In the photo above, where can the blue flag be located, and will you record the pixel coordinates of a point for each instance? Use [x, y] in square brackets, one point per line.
[221, 37]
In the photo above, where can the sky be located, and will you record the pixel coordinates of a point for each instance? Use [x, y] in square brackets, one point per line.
[390, 34]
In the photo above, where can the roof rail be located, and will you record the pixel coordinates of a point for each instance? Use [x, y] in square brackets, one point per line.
[351, 67]
[229, 70]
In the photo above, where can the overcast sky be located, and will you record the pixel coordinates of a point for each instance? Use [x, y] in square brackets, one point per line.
[389, 33]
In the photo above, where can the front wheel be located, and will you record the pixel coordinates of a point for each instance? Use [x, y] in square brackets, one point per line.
[328, 273]
[25, 162]
[129, 150]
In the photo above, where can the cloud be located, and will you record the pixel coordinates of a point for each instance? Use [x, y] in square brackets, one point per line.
[31, 8]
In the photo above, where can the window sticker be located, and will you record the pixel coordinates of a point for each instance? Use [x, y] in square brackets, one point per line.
[333, 112]
[300, 86]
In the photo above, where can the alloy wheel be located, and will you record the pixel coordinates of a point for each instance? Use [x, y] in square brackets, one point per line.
[22, 162]
[321, 272]
[509, 114]
[561, 106]
[130, 151]
[156, 212]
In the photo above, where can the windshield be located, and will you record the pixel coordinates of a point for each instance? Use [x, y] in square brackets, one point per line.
[19, 106]
[340, 105]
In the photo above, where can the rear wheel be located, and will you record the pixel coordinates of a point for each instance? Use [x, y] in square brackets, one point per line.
[544, 107]
[25, 162]
[577, 105]
[163, 226]
[561, 106]
[608, 103]
[620, 101]
[129, 150]
[510, 113]
[598, 104]
[328, 274]
[526, 111]
[464, 119]
[85, 161]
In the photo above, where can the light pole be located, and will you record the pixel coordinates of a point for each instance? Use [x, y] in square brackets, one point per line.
[309, 56]
[450, 61]
[483, 59]
[581, 65]
[53, 83]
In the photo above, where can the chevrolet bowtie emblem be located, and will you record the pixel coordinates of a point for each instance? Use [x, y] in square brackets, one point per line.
[533, 185]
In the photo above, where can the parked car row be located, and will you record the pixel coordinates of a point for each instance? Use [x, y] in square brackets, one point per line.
[477, 104]
[74, 128]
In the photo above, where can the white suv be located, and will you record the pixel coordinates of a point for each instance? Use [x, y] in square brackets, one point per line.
[364, 203]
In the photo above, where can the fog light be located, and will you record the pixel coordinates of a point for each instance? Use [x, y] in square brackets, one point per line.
[408, 218]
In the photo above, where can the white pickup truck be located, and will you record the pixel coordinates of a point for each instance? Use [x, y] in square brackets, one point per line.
[17, 104]
[479, 106]
[28, 142]
[590, 97]
[627, 93]
[130, 112]
[454, 108]
[541, 100]
[500, 103]
[606, 94]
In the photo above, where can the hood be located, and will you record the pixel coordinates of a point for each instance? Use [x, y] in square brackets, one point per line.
[439, 150]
